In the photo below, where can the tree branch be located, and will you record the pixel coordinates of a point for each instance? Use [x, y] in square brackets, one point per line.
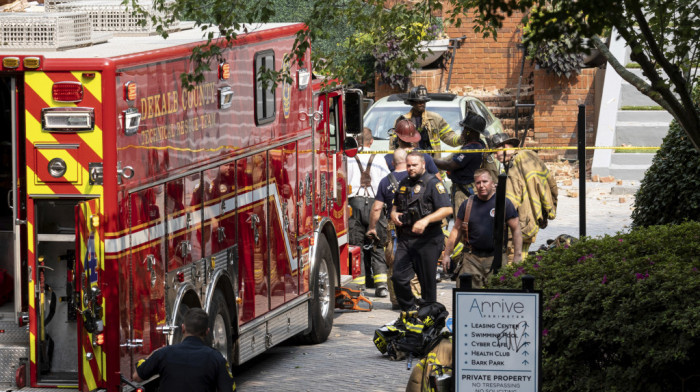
[673, 71]
[639, 83]
[674, 107]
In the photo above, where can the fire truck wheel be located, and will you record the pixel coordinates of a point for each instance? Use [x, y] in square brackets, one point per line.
[322, 305]
[179, 319]
[220, 325]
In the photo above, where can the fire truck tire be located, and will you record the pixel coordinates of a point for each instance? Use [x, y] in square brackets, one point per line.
[321, 307]
[220, 325]
[179, 319]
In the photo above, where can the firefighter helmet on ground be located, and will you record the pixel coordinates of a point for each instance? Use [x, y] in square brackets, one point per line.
[473, 122]
[405, 130]
[499, 139]
[418, 94]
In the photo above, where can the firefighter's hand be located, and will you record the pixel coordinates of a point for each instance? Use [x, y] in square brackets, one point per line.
[395, 217]
[446, 261]
[420, 225]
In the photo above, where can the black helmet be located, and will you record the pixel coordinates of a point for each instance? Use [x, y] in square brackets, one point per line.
[418, 94]
[473, 122]
[499, 139]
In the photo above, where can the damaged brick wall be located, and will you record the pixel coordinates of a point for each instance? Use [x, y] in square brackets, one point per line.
[556, 111]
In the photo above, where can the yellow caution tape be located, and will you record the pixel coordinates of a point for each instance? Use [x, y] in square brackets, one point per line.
[518, 148]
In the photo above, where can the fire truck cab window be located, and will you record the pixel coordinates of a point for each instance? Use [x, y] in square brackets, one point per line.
[264, 92]
[333, 125]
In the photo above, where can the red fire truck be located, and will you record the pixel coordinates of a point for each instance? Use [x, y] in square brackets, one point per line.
[131, 199]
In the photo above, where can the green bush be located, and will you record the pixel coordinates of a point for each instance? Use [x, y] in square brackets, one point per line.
[621, 313]
[670, 190]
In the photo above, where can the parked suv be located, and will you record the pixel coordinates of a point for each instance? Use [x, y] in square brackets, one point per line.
[381, 115]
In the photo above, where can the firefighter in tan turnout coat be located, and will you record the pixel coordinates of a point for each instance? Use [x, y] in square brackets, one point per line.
[531, 188]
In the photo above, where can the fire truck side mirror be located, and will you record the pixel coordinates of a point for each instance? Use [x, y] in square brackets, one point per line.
[353, 111]
[350, 146]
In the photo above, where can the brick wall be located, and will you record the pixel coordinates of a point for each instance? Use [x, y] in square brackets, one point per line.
[430, 78]
[556, 111]
[485, 63]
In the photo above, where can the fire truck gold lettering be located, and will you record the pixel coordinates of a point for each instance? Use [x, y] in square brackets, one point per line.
[172, 102]
[168, 103]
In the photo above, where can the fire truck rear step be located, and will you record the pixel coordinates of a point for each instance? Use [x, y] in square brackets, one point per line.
[14, 349]
[11, 357]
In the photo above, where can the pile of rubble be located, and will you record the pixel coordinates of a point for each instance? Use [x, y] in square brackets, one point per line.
[566, 175]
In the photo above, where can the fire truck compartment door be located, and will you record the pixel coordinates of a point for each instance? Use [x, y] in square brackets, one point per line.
[146, 273]
[56, 163]
[89, 265]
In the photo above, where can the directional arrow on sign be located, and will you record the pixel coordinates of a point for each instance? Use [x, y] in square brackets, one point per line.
[525, 362]
[525, 353]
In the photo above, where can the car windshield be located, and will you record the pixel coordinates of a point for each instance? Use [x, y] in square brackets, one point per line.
[381, 119]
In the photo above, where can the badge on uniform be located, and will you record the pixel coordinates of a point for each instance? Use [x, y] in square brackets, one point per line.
[222, 188]
[440, 188]
[416, 189]
[403, 189]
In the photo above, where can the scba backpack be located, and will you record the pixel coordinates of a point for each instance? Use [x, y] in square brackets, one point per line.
[412, 335]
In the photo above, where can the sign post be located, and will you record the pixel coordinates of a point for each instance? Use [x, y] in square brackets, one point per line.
[496, 340]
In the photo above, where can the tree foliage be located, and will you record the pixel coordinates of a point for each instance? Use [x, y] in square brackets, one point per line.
[345, 33]
[664, 35]
[619, 313]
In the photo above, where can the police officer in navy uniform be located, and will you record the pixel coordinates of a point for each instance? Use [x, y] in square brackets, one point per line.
[420, 205]
[191, 366]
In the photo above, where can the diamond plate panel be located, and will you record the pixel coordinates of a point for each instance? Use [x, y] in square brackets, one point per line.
[11, 387]
[288, 324]
[9, 361]
[13, 334]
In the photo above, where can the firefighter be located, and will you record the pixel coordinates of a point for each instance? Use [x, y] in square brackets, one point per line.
[406, 137]
[431, 126]
[420, 205]
[462, 166]
[364, 174]
[474, 224]
[530, 187]
[190, 365]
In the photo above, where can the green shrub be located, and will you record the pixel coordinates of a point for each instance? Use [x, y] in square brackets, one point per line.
[621, 313]
[670, 190]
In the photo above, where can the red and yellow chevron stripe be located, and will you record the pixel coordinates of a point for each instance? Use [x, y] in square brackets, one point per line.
[77, 149]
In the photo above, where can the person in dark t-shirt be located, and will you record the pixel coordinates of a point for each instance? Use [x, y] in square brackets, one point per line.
[479, 212]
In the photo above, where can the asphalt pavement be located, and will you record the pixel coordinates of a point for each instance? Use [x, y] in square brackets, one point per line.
[349, 361]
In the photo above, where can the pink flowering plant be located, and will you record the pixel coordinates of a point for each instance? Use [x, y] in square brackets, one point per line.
[621, 313]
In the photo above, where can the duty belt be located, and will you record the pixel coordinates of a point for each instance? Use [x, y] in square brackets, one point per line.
[481, 252]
